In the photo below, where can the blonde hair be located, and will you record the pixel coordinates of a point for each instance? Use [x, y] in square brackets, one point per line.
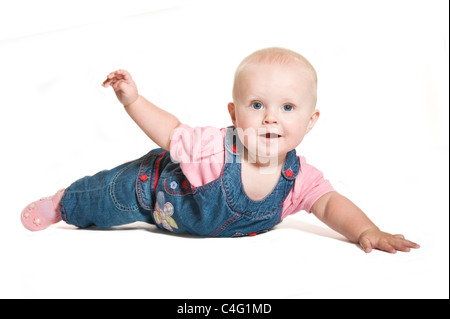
[273, 55]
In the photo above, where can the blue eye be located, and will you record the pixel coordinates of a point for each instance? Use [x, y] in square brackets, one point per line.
[257, 105]
[288, 107]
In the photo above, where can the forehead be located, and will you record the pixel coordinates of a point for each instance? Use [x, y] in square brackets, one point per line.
[288, 79]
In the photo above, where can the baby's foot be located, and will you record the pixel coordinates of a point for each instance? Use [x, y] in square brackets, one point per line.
[42, 213]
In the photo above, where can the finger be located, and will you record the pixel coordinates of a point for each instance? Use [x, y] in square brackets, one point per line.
[106, 83]
[366, 245]
[109, 79]
[405, 245]
[412, 244]
[119, 85]
[126, 76]
[399, 236]
[115, 74]
[122, 74]
[115, 84]
[111, 75]
[111, 82]
[386, 246]
[402, 247]
[396, 244]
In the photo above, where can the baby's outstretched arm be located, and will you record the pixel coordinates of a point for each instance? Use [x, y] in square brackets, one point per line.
[342, 215]
[155, 122]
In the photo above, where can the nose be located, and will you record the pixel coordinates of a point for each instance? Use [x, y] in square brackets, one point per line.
[270, 117]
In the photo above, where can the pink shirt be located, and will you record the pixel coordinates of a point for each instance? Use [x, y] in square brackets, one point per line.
[201, 154]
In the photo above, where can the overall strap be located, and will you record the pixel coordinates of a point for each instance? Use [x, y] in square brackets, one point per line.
[234, 149]
[232, 183]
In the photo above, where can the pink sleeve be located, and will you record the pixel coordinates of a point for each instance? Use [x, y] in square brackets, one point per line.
[200, 152]
[309, 186]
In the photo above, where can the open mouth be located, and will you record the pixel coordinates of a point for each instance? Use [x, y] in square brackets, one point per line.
[270, 135]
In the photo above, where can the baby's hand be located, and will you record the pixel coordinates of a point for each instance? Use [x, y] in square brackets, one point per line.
[123, 85]
[376, 239]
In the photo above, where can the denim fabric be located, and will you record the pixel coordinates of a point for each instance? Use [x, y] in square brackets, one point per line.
[108, 198]
[154, 189]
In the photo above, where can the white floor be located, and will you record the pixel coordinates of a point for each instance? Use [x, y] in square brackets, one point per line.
[298, 259]
[382, 140]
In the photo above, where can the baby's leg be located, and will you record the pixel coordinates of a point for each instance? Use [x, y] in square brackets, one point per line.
[105, 199]
[42, 213]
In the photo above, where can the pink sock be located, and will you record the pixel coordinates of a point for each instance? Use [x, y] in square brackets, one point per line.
[47, 209]
[41, 214]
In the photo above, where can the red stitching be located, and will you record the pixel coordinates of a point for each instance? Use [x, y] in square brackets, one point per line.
[225, 225]
[157, 171]
[139, 182]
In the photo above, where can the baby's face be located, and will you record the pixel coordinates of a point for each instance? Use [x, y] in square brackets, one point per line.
[274, 108]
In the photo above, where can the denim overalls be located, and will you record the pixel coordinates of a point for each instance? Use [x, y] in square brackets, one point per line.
[154, 189]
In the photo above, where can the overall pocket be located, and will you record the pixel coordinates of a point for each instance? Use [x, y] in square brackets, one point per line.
[123, 186]
[177, 184]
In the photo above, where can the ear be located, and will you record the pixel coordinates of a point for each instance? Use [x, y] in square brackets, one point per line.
[232, 111]
[313, 119]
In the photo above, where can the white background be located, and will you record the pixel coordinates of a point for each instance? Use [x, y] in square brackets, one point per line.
[382, 140]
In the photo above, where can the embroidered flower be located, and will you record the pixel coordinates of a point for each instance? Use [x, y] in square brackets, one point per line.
[173, 185]
[163, 213]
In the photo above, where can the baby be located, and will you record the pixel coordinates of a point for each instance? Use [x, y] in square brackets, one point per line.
[237, 181]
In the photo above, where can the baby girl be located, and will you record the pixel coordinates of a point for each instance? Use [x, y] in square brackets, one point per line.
[236, 181]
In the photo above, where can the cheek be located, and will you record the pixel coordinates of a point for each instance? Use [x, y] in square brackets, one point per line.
[245, 120]
[296, 130]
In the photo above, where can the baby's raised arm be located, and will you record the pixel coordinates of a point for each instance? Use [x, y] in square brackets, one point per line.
[155, 122]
